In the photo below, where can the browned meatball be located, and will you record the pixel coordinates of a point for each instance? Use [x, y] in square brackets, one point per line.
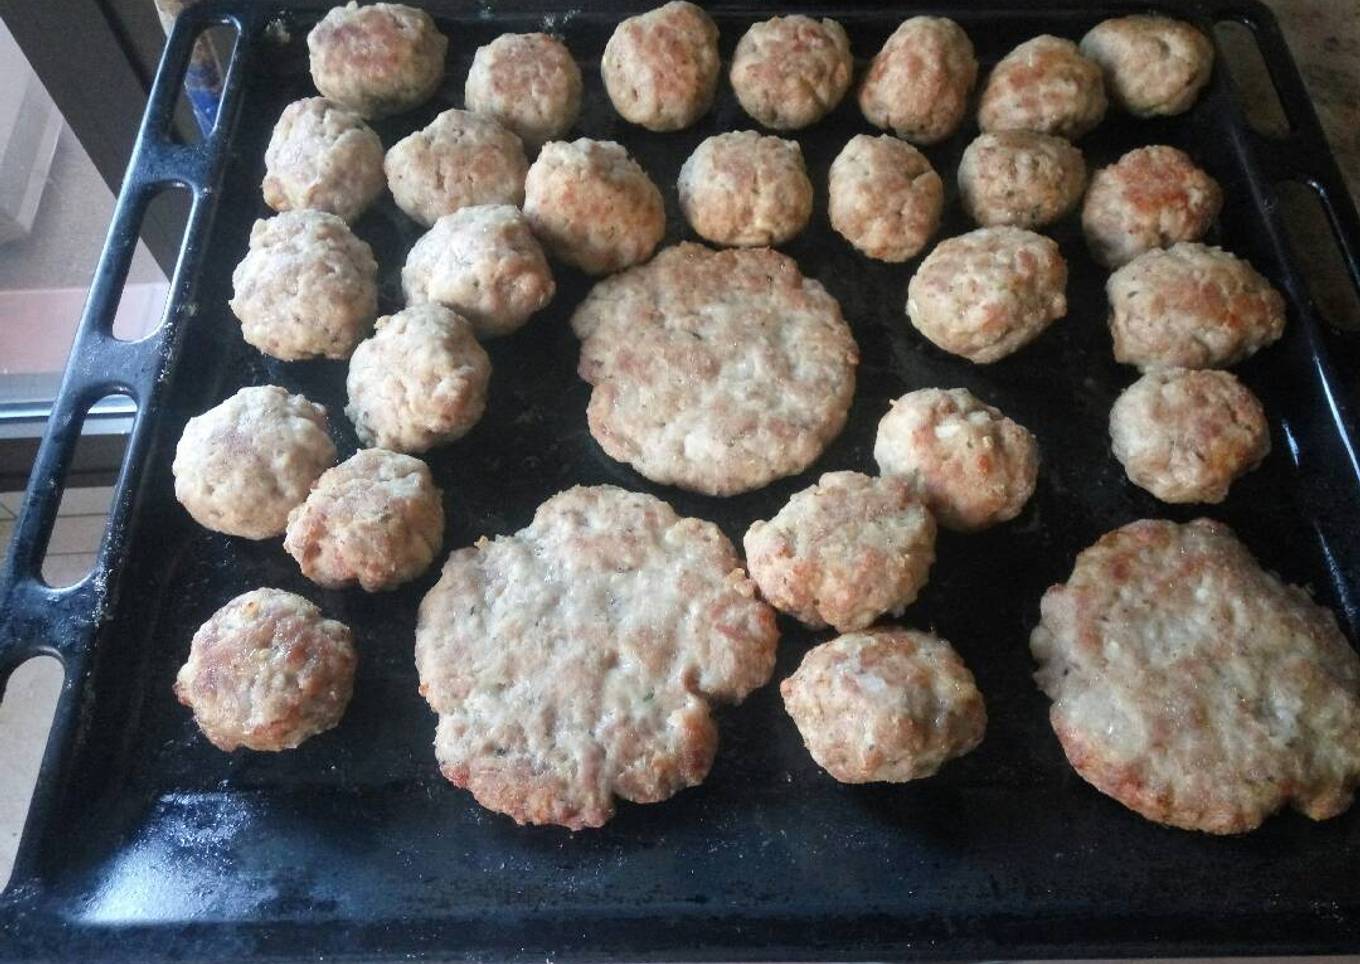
[267, 671]
[378, 59]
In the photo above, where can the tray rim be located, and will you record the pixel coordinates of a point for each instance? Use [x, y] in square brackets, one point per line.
[99, 365]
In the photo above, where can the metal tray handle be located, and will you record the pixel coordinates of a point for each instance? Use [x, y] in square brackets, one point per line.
[36, 618]
[1290, 157]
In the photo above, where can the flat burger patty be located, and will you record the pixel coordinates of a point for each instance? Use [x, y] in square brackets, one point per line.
[575, 660]
[1195, 687]
[716, 371]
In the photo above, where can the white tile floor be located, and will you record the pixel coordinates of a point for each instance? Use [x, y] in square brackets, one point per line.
[30, 697]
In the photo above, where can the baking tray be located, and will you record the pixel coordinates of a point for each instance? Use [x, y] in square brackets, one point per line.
[145, 842]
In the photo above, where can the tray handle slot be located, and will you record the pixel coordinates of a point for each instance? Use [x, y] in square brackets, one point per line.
[1317, 239]
[38, 682]
[1257, 96]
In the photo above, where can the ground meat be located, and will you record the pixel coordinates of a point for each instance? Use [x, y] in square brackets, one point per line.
[1151, 197]
[266, 672]
[459, 160]
[887, 705]
[1020, 178]
[845, 551]
[1186, 436]
[918, 85]
[988, 293]
[485, 264]
[241, 467]
[1044, 85]
[790, 72]
[593, 206]
[971, 465]
[376, 519]
[324, 157]
[745, 189]
[529, 82]
[307, 288]
[420, 381]
[378, 59]
[884, 197]
[660, 68]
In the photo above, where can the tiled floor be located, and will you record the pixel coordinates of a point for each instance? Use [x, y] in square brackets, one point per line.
[30, 697]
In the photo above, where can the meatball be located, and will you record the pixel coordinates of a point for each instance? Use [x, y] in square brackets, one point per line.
[887, 705]
[845, 551]
[918, 84]
[529, 82]
[789, 72]
[988, 293]
[885, 198]
[1191, 306]
[593, 206]
[267, 671]
[307, 287]
[1186, 436]
[241, 467]
[1020, 178]
[323, 157]
[660, 68]
[483, 262]
[377, 60]
[420, 381]
[1044, 85]
[459, 160]
[1151, 197]
[376, 519]
[746, 190]
[1153, 65]
[970, 464]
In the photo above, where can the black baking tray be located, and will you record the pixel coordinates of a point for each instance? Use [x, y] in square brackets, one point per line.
[145, 842]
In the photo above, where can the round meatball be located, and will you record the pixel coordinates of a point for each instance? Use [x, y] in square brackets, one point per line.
[845, 551]
[918, 84]
[660, 68]
[420, 381]
[377, 60]
[885, 198]
[746, 190]
[789, 72]
[376, 519]
[593, 206]
[988, 293]
[459, 160]
[1191, 306]
[1151, 197]
[1186, 436]
[1020, 178]
[887, 705]
[529, 82]
[971, 465]
[267, 671]
[307, 287]
[483, 262]
[323, 157]
[1153, 65]
[241, 467]
[1044, 85]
